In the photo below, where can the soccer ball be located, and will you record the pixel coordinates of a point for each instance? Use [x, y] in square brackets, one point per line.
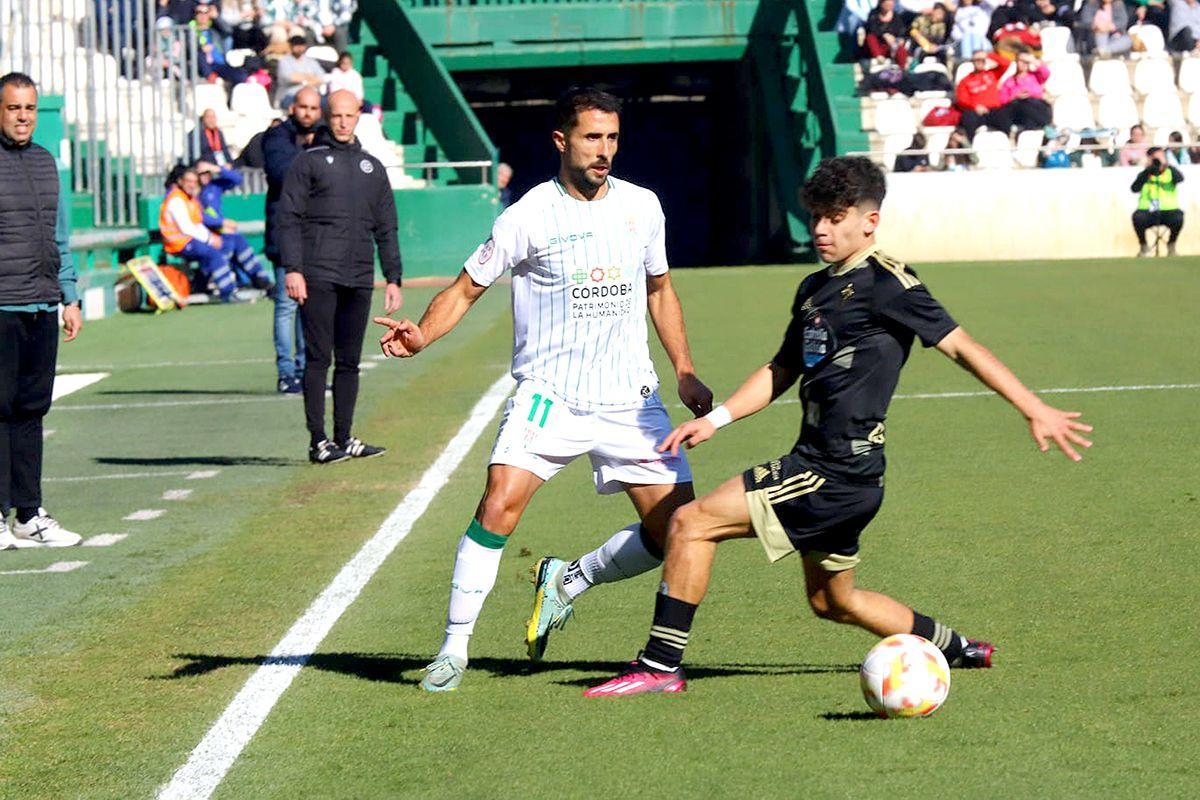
[905, 676]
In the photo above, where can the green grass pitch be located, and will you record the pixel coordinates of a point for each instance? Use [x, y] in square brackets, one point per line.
[1084, 575]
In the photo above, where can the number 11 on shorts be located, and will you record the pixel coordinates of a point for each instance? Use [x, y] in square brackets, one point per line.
[545, 403]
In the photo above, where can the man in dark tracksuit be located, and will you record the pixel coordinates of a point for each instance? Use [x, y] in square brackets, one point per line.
[280, 146]
[336, 207]
[37, 272]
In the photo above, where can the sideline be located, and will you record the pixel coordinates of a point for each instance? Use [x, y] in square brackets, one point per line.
[212, 758]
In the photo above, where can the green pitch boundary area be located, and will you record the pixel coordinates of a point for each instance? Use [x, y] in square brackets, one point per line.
[1083, 574]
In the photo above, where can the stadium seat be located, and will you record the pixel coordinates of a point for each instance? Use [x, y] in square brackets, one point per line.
[930, 103]
[322, 52]
[236, 58]
[1109, 76]
[211, 95]
[1162, 136]
[1117, 111]
[1153, 75]
[935, 141]
[894, 116]
[1193, 110]
[251, 100]
[1189, 75]
[1066, 77]
[1151, 38]
[1162, 109]
[1074, 111]
[1028, 142]
[1055, 39]
[963, 69]
[993, 149]
[892, 145]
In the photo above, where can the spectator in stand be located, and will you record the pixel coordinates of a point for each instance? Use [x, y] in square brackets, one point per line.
[1183, 34]
[1158, 202]
[504, 175]
[851, 20]
[214, 182]
[1046, 12]
[1151, 12]
[930, 33]
[296, 71]
[281, 145]
[175, 12]
[1022, 94]
[256, 71]
[887, 34]
[345, 76]
[978, 94]
[971, 23]
[334, 17]
[1104, 23]
[1134, 151]
[964, 158]
[1177, 152]
[213, 147]
[252, 156]
[181, 222]
[242, 18]
[212, 64]
[908, 161]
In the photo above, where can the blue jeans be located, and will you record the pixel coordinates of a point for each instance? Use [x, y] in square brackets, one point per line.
[289, 335]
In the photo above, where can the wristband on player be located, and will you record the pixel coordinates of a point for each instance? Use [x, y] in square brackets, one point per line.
[719, 417]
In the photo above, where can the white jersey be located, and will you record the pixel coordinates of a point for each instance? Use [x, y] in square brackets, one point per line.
[579, 290]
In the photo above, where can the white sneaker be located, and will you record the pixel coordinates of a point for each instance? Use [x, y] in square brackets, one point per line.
[10, 542]
[45, 530]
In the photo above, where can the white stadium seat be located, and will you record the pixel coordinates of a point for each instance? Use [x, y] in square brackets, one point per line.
[211, 95]
[1055, 39]
[963, 69]
[894, 116]
[1189, 75]
[322, 52]
[1151, 38]
[1074, 111]
[1162, 136]
[929, 104]
[1193, 110]
[1117, 111]
[893, 145]
[993, 149]
[1153, 74]
[1066, 77]
[1028, 143]
[1110, 76]
[1163, 110]
[935, 142]
[251, 100]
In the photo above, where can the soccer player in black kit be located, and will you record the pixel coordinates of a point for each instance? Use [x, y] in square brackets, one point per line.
[852, 327]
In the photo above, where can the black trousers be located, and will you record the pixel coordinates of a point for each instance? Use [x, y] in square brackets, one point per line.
[28, 351]
[1029, 113]
[1142, 220]
[335, 322]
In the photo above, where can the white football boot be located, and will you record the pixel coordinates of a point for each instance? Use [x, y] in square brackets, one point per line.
[44, 530]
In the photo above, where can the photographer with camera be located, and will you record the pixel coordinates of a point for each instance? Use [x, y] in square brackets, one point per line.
[1158, 203]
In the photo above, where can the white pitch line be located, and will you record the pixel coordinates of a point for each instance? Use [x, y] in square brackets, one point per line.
[68, 384]
[104, 539]
[143, 514]
[176, 494]
[207, 765]
[57, 566]
[120, 476]
[368, 365]
[220, 401]
[201, 474]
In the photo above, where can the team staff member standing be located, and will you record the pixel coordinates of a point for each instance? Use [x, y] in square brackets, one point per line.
[37, 272]
[280, 146]
[336, 206]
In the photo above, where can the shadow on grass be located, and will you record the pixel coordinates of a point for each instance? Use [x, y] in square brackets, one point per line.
[390, 667]
[838, 716]
[201, 461]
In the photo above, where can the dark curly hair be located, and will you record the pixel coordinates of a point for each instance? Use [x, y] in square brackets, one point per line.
[582, 98]
[838, 183]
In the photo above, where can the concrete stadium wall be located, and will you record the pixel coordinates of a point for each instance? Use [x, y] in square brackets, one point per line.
[1023, 214]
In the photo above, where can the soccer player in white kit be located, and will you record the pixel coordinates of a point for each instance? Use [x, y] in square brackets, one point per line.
[587, 256]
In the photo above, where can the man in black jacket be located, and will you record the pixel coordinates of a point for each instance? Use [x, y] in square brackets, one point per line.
[336, 207]
[37, 273]
[280, 146]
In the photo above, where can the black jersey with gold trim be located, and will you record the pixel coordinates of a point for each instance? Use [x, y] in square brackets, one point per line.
[851, 331]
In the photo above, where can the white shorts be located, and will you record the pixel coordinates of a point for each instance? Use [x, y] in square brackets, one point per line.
[540, 434]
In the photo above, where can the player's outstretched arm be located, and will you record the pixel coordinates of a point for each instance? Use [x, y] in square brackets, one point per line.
[756, 393]
[667, 313]
[1046, 423]
[405, 339]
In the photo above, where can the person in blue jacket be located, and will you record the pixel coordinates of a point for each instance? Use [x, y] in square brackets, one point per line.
[214, 182]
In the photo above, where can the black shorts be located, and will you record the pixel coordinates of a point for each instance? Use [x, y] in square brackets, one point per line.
[795, 508]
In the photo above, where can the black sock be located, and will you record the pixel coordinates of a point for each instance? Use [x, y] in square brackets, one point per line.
[943, 637]
[668, 634]
[26, 513]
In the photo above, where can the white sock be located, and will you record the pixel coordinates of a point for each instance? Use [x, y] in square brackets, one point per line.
[475, 569]
[623, 556]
